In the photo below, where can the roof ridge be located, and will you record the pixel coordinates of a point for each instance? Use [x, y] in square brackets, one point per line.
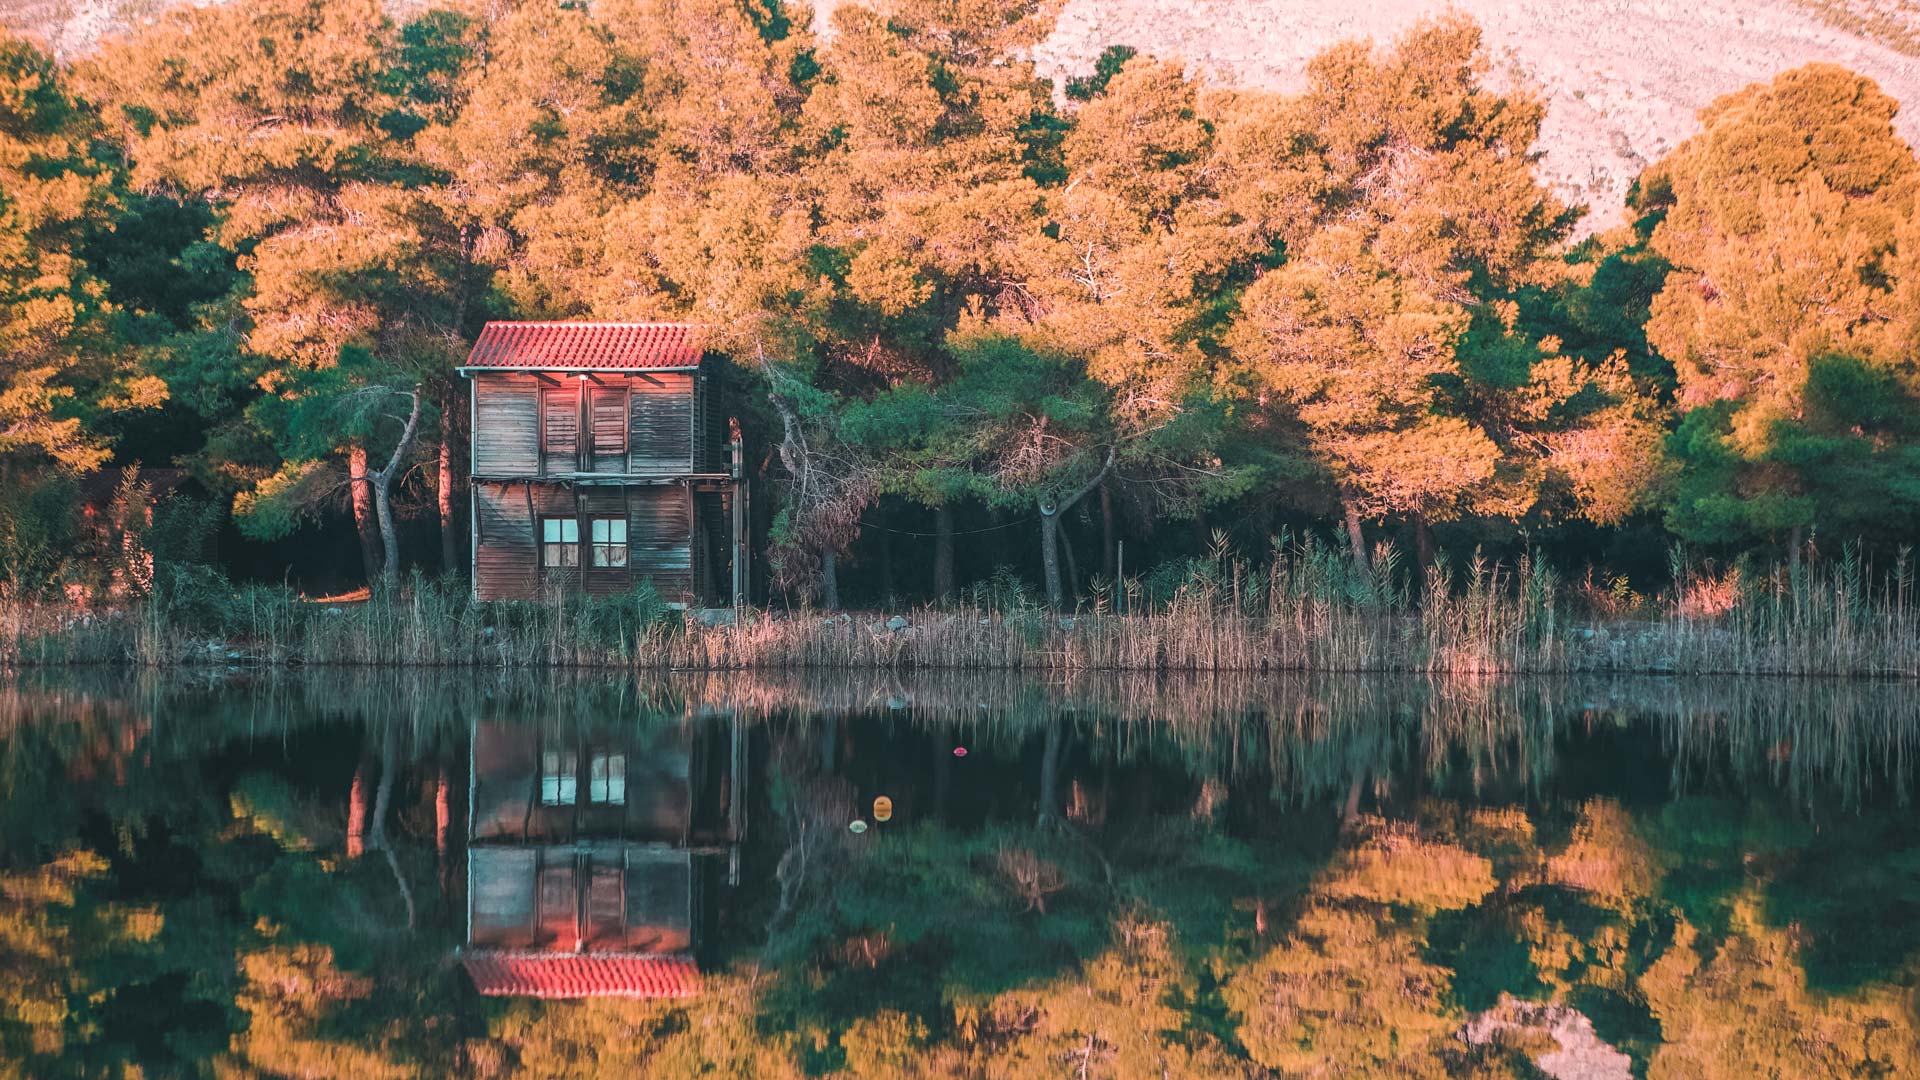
[636, 323]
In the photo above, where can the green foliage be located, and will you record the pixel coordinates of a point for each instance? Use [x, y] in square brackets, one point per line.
[1356, 301]
[39, 524]
[1105, 67]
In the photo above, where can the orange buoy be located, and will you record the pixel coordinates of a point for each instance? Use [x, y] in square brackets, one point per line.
[882, 808]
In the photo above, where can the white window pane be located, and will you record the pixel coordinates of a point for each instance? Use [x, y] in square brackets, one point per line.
[617, 556]
[617, 530]
[550, 530]
[599, 530]
[559, 786]
[609, 781]
[569, 531]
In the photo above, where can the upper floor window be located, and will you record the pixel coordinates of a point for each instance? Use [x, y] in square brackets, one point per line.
[560, 542]
[560, 429]
[607, 413]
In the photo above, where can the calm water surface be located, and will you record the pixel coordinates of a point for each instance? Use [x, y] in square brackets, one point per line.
[364, 875]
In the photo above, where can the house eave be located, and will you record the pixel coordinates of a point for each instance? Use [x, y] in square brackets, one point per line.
[536, 370]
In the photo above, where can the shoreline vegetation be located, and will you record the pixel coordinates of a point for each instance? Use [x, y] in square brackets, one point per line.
[1306, 609]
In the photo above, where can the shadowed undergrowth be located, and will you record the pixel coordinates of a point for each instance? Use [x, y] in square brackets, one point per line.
[1306, 609]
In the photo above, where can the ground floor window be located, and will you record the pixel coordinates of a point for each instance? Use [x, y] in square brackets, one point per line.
[610, 542]
[560, 542]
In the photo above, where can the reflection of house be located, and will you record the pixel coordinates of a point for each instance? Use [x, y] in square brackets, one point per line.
[590, 854]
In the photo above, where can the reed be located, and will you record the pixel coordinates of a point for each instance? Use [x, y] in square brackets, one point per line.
[1303, 607]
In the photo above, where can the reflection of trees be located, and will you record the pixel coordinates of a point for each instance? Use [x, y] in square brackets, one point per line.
[172, 848]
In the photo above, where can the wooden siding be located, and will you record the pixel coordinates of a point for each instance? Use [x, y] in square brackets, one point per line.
[661, 422]
[607, 411]
[660, 532]
[506, 425]
[650, 425]
[507, 549]
[710, 430]
[559, 430]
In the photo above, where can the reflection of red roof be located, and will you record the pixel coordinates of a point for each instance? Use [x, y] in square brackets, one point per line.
[580, 975]
[588, 346]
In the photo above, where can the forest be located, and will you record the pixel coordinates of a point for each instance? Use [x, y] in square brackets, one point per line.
[985, 331]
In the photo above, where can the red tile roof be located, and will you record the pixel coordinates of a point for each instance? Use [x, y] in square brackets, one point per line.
[581, 975]
[588, 346]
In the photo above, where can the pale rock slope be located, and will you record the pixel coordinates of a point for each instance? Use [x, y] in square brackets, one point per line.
[1623, 79]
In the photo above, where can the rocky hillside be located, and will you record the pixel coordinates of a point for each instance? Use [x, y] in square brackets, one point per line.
[1624, 78]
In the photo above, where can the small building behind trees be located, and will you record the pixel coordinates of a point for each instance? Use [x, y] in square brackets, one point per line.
[602, 457]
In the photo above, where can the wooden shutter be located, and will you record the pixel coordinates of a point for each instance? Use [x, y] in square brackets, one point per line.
[662, 422]
[560, 429]
[608, 408]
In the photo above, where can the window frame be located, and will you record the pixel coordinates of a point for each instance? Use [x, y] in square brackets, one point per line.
[603, 549]
[607, 779]
[559, 777]
[554, 541]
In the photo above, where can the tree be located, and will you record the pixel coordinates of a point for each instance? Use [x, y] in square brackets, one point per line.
[328, 197]
[61, 364]
[1387, 338]
[1024, 427]
[1783, 314]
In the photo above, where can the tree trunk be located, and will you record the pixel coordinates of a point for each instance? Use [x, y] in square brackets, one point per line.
[389, 538]
[1050, 555]
[383, 795]
[363, 520]
[1107, 566]
[1050, 528]
[449, 533]
[442, 813]
[1795, 541]
[1050, 774]
[943, 551]
[1073, 565]
[829, 582]
[1350, 813]
[382, 481]
[1357, 538]
[1423, 543]
[357, 812]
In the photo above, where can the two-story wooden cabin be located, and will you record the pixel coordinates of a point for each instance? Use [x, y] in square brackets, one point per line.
[601, 457]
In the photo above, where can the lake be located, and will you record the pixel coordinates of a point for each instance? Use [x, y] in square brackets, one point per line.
[348, 873]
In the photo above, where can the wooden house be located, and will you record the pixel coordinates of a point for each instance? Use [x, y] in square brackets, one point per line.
[602, 457]
[591, 852]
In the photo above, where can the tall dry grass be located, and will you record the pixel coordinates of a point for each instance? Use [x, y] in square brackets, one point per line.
[1304, 607]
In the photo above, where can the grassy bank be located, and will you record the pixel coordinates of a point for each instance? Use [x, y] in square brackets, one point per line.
[1306, 609]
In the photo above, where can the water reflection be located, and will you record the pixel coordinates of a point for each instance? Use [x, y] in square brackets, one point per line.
[1196, 876]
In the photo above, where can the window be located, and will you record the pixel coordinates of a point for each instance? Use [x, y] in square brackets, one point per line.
[607, 412]
[560, 426]
[560, 778]
[608, 781]
[560, 542]
[609, 541]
